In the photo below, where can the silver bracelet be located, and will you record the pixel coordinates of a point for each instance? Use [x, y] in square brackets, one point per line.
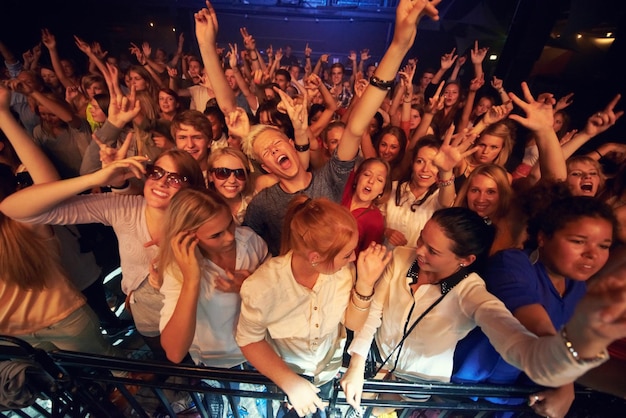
[357, 307]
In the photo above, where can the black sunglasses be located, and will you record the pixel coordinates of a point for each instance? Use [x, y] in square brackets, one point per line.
[223, 173]
[154, 172]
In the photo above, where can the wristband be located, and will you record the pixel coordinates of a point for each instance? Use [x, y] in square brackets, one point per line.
[363, 297]
[381, 84]
[572, 351]
[302, 148]
[445, 183]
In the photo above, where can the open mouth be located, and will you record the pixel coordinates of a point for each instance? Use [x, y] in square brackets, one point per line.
[284, 162]
[586, 187]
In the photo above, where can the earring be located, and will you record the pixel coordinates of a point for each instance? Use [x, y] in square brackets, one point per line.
[462, 265]
[314, 264]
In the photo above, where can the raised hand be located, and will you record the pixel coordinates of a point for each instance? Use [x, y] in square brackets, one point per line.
[232, 55]
[478, 54]
[352, 55]
[603, 120]
[296, 109]
[146, 49]
[436, 103]
[206, 25]
[278, 55]
[539, 113]
[71, 93]
[122, 109]
[37, 51]
[307, 50]
[477, 82]
[371, 263]
[448, 59]
[238, 123]
[48, 39]
[248, 40]
[564, 102]
[184, 246]
[496, 83]
[460, 61]
[172, 72]
[454, 149]
[408, 14]
[84, 47]
[360, 86]
[96, 48]
[120, 171]
[365, 54]
[324, 58]
[497, 113]
[109, 155]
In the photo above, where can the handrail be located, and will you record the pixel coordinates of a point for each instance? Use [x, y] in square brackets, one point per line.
[85, 377]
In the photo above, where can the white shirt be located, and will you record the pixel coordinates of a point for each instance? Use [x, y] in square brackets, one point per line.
[428, 351]
[304, 326]
[214, 343]
[402, 219]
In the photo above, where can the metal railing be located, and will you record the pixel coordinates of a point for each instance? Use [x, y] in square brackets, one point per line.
[79, 385]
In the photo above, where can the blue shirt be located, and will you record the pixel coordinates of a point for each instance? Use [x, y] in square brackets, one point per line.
[517, 282]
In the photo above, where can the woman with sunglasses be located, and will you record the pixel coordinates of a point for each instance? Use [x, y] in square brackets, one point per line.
[136, 219]
[229, 175]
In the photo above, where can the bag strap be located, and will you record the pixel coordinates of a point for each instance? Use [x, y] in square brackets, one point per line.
[398, 347]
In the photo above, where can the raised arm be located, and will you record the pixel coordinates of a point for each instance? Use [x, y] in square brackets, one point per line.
[40, 198]
[475, 84]
[251, 98]
[408, 14]
[446, 62]
[330, 105]
[50, 42]
[596, 124]
[206, 33]
[60, 109]
[38, 165]
[539, 119]
[477, 55]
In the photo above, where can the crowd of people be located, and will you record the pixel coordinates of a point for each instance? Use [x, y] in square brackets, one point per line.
[264, 206]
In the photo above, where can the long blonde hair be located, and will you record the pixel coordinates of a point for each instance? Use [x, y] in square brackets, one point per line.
[188, 210]
[27, 259]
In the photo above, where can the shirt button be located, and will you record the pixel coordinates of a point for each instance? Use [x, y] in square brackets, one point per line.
[317, 325]
[315, 308]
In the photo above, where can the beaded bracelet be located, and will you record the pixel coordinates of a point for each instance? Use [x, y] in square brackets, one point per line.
[363, 297]
[445, 183]
[381, 84]
[572, 351]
